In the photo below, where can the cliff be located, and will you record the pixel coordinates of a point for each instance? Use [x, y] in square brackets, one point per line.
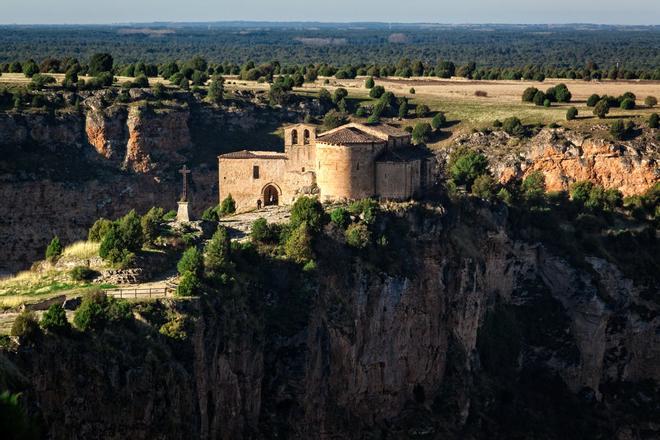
[565, 156]
[459, 328]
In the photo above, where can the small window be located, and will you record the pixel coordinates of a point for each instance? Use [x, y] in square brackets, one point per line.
[358, 166]
[294, 137]
[255, 172]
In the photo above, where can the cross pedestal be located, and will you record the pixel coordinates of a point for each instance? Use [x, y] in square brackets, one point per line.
[183, 213]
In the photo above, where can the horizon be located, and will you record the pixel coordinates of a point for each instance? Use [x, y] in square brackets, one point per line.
[334, 22]
[468, 12]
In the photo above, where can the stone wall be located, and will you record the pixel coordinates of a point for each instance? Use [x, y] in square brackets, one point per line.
[398, 180]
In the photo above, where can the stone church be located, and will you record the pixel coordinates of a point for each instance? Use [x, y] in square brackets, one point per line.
[353, 161]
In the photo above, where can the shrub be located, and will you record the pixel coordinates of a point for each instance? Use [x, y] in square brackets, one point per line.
[97, 310]
[618, 129]
[188, 285]
[130, 228]
[191, 261]
[571, 113]
[533, 187]
[54, 249]
[151, 223]
[307, 210]
[593, 100]
[361, 112]
[466, 166]
[373, 119]
[627, 104]
[546, 103]
[259, 232]
[421, 110]
[412, 91]
[358, 235]
[340, 94]
[340, 217]
[505, 196]
[562, 94]
[25, 326]
[421, 132]
[438, 120]
[580, 191]
[539, 98]
[513, 126]
[211, 214]
[82, 273]
[403, 109]
[217, 252]
[484, 187]
[216, 90]
[481, 93]
[369, 83]
[169, 215]
[529, 93]
[602, 108]
[650, 101]
[653, 120]
[54, 320]
[228, 206]
[334, 119]
[497, 123]
[298, 245]
[376, 92]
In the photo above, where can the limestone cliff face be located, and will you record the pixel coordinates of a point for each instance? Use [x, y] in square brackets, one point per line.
[565, 157]
[480, 336]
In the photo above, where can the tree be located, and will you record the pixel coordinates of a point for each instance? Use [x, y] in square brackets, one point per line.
[653, 120]
[562, 94]
[191, 261]
[216, 90]
[340, 217]
[438, 120]
[465, 166]
[358, 235]
[529, 93]
[227, 206]
[333, 119]
[412, 91]
[340, 94]
[533, 187]
[54, 320]
[25, 326]
[54, 249]
[421, 110]
[580, 191]
[151, 223]
[593, 100]
[421, 132]
[97, 310]
[298, 245]
[627, 104]
[99, 229]
[279, 94]
[130, 228]
[571, 113]
[100, 62]
[308, 210]
[217, 252]
[30, 68]
[650, 101]
[376, 92]
[369, 83]
[188, 284]
[39, 81]
[403, 109]
[261, 232]
[325, 98]
[602, 108]
[618, 129]
[539, 98]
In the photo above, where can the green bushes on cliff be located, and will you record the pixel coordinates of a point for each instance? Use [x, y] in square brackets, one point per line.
[121, 239]
[228, 206]
[191, 261]
[54, 249]
[308, 210]
[189, 285]
[54, 320]
[465, 166]
[25, 326]
[98, 310]
[151, 224]
[298, 245]
[358, 235]
[217, 260]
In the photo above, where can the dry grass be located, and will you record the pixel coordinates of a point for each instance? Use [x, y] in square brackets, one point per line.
[81, 250]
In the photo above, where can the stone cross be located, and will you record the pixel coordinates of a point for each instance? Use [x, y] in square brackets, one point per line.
[184, 172]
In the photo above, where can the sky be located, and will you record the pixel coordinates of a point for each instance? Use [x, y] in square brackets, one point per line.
[429, 11]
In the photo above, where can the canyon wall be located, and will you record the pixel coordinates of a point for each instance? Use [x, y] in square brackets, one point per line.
[473, 334]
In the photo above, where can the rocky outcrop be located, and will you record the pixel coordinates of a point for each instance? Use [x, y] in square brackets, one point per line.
[564, 157]
[466, 333]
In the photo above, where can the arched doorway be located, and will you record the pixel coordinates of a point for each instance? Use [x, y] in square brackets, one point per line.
[271, 195]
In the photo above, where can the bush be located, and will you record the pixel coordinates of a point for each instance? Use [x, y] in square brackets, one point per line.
[228, 206]
[533, 187]
[307, 210]
[403, 109]
[376, 92]
[191, 261]
[82, 273]
[97, 310]
[562, 94]
[421, 132]
[602, 108]
[54, 320]
[513, 126]
[571, 113]
[466, 166]
[627, 104]
[340, 217]
[529, 93]
[593, 100]
[188, 285]
[211, 214]
[169, 215]
[484, 187]
[361, 112]
[334, 119]
[618, 129]
[54, 249]
[151, 223]
[653, 120]
[298, 245]
[130, 228]
[539, 98]
[369, 83]
[25, 326]
[497, 123]
[580, 191]
[421, 110]
[546, 103]
[262, 232]
[650, 101]
[481, 93]
[438, 120]
[358, 235]
[412, 91]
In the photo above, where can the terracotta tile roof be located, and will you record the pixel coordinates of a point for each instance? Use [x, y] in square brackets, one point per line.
[348, 135]
[388, 130]
[245, 154]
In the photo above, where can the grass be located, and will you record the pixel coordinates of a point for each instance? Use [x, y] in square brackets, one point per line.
[81, 250]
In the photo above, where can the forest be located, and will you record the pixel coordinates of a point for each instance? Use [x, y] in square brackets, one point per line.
[489, 46]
